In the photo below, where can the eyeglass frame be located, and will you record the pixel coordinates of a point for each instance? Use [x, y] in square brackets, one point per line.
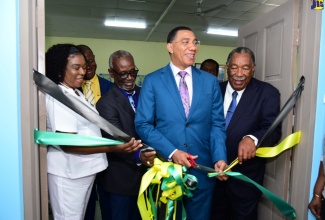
[186, 42]
[126, 74]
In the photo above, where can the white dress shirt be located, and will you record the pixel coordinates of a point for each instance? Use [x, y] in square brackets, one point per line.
[226, 103]
[188, 78]
[189, 83]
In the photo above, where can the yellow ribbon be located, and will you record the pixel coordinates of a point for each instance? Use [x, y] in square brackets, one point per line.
[268, 152]
[171, 179]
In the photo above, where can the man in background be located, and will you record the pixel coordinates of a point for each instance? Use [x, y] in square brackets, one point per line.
[93, 88]
[210, 66]
[97, 85]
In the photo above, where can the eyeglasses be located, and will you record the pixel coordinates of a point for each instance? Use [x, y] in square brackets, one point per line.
[186, 42]
[124, 75]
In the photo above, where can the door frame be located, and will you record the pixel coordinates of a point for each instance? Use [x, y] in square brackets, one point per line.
[32, 51]
[308, 59]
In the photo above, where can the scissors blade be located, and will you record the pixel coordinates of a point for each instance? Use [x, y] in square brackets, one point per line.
[204, 168]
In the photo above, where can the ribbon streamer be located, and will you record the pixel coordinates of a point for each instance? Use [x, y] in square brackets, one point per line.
[288, 106]
[287, 210]
[172, 178]
[267, 152]
[288, 142]
[54, 138]
[48, 86]
[173, 181]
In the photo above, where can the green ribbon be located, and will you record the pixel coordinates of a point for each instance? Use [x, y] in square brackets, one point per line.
[284, 207]
[54, 138]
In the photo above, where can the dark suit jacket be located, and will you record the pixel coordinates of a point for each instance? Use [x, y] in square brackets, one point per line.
[123, 175]
[255, 112]
[161, 122]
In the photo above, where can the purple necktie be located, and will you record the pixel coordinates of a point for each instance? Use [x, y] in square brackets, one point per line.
[184, 92]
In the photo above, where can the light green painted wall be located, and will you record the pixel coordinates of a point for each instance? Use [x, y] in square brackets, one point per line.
[148, 56]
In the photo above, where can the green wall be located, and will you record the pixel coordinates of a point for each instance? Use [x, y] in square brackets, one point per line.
[148, 56]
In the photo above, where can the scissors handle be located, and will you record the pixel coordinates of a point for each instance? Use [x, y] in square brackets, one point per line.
[191, 160]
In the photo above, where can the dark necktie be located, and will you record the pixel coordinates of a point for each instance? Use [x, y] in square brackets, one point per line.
[232, 108]
[184, 92]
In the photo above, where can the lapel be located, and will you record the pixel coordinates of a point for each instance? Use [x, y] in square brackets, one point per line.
[122, 101]
[197, 81]
[246, 100]
[168, 80]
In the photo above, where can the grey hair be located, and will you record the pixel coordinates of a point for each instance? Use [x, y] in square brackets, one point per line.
[241, 50]
[118, 54]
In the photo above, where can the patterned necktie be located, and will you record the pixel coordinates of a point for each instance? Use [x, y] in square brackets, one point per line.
[184, 92]
[232, 108]
[89, 94]
[131, 100]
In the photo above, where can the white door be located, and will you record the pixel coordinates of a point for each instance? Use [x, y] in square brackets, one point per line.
[272, 37]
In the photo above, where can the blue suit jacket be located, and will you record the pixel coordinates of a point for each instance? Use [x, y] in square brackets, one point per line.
[161, 122]
[104, 84]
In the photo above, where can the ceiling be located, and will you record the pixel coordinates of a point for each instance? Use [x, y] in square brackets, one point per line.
[85, 18]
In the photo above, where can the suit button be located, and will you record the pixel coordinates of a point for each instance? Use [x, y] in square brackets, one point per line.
[187, 124]
[185, 145]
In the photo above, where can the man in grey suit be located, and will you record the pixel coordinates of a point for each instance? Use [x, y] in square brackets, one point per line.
[121, 180]
[193, 129]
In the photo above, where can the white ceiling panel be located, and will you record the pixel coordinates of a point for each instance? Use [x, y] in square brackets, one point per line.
[84, 18]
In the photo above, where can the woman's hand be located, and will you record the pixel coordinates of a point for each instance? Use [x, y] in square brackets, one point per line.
[128, 147]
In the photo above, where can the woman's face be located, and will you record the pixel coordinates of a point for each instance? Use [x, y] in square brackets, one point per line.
[75, 71]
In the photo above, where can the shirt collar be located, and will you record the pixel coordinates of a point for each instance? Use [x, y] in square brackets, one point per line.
[94, 78]
[127, 93]
[176, 70]
[230, 90]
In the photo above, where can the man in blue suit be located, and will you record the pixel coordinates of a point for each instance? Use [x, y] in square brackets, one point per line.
[162, 123]
[258, 104]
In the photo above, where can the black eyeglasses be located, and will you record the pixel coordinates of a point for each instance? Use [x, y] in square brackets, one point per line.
[124, 75]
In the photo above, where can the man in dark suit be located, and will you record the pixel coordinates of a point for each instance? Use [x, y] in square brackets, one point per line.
[121, 180]
[258, 104]
[176, 128]
[98, 87]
